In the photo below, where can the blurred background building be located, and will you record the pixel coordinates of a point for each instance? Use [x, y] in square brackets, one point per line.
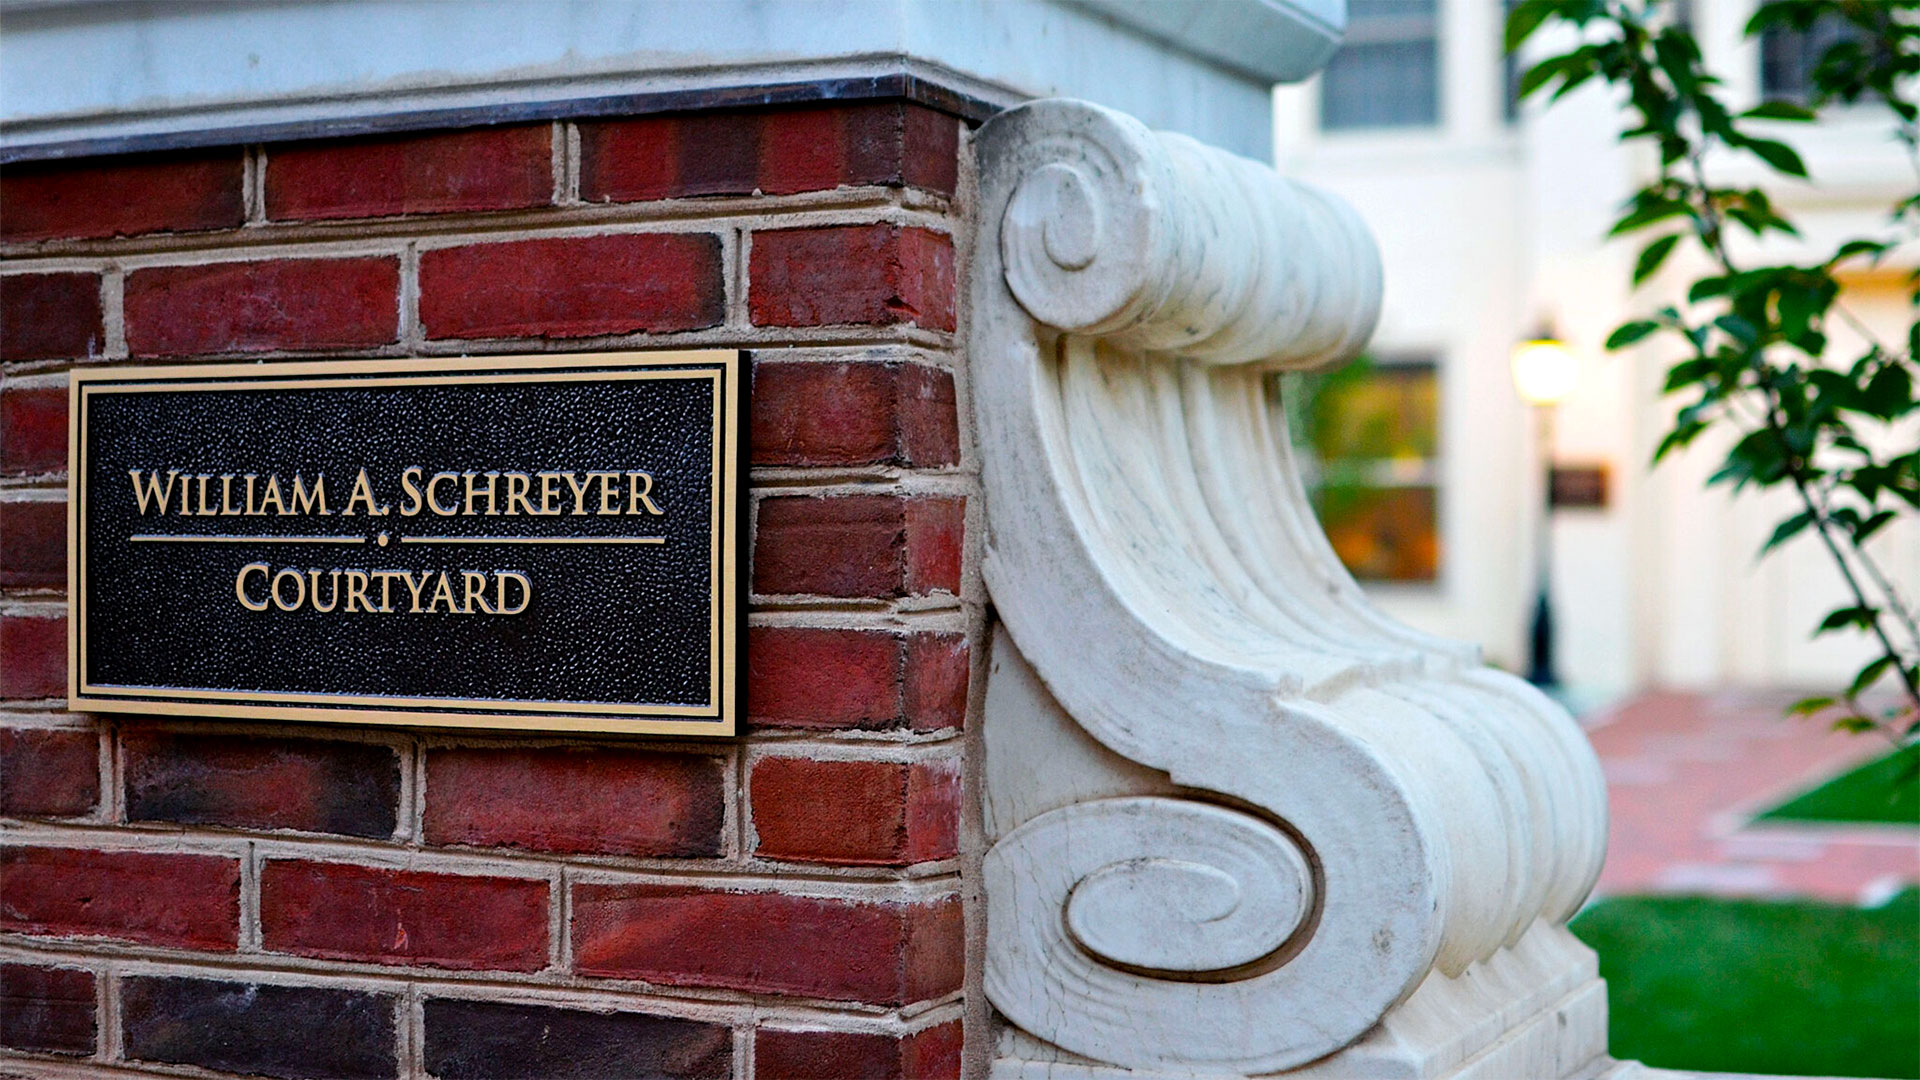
[1491, 218]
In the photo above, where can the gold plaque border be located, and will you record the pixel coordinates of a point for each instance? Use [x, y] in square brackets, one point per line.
[720, 717]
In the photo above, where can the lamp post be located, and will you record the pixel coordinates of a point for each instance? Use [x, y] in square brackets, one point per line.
[1545, 372]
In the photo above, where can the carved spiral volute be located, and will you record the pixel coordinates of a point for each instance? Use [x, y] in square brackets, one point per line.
[1188, 250]
[1167, 888]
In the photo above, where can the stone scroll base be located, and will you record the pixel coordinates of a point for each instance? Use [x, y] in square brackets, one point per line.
[1538, 1011]
[1534, 1010]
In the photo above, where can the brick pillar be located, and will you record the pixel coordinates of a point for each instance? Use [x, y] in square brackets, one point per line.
[382, 902]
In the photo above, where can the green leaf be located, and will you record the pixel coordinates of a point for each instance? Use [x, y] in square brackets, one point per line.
[1855, 725]
[1860, 618]
[1627, 333]
[1808, 706]
[1708, 287]
[1787, 530]
[1678, 56]
[1851, 248]
[1652, 256]
[1791, 14]
[1803, 301]
[1779, 110]
[1648, 211]
[1683, 433]
[1715, 120]
[1523, 20]
[1872, 525]
[1755, 459]
[1868, 676]
[1779, 155]
[1757, 217]
[1686, 373]
[1573, 68]
[1738, 328]
[1889, 394]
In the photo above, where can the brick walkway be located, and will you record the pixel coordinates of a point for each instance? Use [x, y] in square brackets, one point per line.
[1685, 773]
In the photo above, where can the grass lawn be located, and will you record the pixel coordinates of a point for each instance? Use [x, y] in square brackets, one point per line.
[1751, 986]
[1883, 791]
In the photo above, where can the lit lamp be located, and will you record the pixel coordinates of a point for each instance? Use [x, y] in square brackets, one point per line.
[1545, 372]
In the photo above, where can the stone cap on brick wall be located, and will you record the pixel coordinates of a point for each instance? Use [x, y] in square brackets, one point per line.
[90, 77]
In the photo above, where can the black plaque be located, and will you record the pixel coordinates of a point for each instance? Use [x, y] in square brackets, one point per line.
[1577, 487]
[506, 542]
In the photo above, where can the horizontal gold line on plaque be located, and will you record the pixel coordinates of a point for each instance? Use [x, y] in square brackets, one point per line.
[478, 705]
[705, 361]
[639, 722]
[533, 539]
[136, 383]
[157, 538]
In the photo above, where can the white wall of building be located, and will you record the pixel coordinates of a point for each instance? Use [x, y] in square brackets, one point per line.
[1487, 229]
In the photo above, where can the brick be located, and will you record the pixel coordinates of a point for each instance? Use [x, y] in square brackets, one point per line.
[483, 1040]
[775, 152]
[301, 1032]
[932, 149]
[935, 692]
[806, 677]
[47, 1010]
[879, 546]
[820, 678]
[936, 532]
[933, 811]
[33, 430]
[935, 547]
[270, 304]
[669, 156]
[33, 544]
[338, 911]
[49, 772]
[879, 275]
[50, 316]
[656, 283]
[849, 546]
[930, 1054]
[313, 785]
[33, 656]
[123, 196]
[853, 813]
[499, 168]
[853, 414]
[929, 416]
[602, 800]
[188, 901]
[765, 942]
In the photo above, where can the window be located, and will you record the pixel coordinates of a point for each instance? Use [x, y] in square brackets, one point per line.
[1788, 58]
[1372, 443]
[1387, 74]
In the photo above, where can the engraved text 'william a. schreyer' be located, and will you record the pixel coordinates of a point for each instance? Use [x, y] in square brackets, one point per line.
[415, 492]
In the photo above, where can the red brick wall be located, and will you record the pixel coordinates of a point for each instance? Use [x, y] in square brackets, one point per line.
[383, 902]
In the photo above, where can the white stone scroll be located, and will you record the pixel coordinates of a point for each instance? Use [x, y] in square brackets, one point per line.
[1238, 817]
